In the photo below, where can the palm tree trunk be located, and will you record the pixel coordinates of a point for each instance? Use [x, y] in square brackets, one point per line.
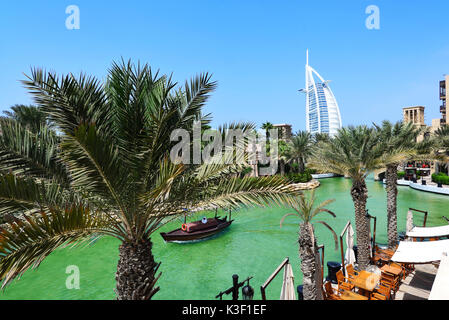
[308, 262]
[391, 177]
[282, 166]
[136, 271]
[301, 165]
[359, 193]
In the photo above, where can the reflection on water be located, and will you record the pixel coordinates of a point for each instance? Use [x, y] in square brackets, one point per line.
[254, 245]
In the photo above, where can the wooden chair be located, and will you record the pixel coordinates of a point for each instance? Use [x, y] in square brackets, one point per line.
[377, 296]
[384, 290]
[343, 282]
[351, 272]
[390, 281]
[400, 266]
[330, 293]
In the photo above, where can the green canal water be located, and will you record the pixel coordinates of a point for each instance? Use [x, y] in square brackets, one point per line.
[253, 246]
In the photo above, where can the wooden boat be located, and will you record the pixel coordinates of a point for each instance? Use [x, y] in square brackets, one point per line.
[212, 227]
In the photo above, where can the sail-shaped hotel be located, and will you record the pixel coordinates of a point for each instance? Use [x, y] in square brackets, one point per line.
[322, 112]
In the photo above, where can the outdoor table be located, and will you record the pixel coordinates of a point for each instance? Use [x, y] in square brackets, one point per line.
[349, 295]
[391, 270]
[382, 258]
[366, 282]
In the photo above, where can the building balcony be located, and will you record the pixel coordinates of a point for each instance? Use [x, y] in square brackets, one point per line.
[443, 109]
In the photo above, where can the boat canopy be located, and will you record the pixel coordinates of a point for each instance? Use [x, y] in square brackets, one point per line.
[440, 287]
[428, 232]
[420, 252]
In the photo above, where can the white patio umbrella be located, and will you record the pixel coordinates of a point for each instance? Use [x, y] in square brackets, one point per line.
[349, 254]
[288, 284]
[409, 225]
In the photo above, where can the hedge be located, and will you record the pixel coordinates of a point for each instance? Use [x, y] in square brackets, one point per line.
[300, 177]
[440, 178]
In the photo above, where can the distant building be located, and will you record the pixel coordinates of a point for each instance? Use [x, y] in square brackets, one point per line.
[444, 93]
[322, 112]
[414, 115]
[284, 131]
[444, 108]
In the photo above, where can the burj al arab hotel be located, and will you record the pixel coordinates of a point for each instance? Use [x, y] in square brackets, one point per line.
[322, 112]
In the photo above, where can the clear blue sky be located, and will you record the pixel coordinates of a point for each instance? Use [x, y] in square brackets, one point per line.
[255, 50]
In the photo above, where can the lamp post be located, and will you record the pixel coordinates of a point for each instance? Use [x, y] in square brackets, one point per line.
[247, 290]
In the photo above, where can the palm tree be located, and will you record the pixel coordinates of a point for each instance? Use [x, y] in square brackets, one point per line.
[301, 148]
[321, 136]
[441, 145]
[353, 152]
[31, 117]
[284, 151]
[306, 211]
[399, 143]
[267, 126]
[107, 172]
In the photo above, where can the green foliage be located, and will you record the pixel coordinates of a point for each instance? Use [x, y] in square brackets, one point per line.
[107, 170]
[401, 174]
[31, 117]
[440, 177]
[246, 171]
[300, 177]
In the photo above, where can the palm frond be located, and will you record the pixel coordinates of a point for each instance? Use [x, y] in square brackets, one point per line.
[332, 231]
[25, 244]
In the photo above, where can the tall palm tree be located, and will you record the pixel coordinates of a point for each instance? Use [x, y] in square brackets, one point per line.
[308, 248]
[441, 145]
[32, 117]
[108, 173]
[267, 126]
[321, 136]
[353, 152]
[301, 148]
[399, 143]
[284, 151]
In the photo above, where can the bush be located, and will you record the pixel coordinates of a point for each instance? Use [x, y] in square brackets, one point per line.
[246, 171]
[440, 178]
[401, 174]
[300, 177]
[311, 171]
[294, 167]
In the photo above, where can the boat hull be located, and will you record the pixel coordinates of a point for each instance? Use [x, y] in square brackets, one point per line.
[179, 235]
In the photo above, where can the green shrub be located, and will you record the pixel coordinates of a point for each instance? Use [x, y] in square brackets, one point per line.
[311, 171]
[294, 167]
[401, 174]
[300, 177]
[246, 171]
[440, 178]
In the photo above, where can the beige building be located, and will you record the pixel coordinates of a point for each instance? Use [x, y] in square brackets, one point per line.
[414, 115]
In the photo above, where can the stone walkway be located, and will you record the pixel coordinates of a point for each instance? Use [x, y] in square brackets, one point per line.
[418, 284]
